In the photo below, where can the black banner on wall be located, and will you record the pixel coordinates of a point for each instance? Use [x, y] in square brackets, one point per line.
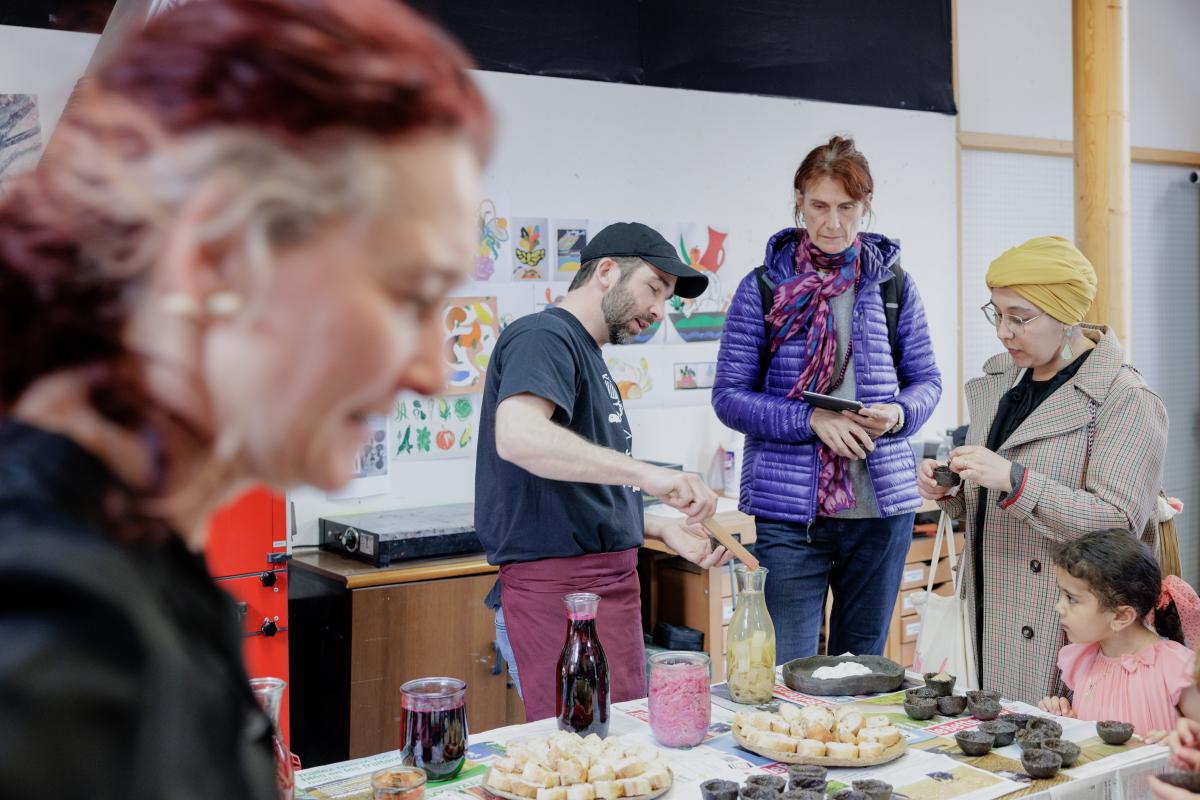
[889, 53]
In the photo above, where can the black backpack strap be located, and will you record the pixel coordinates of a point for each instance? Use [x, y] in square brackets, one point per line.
[766, 291]
[892, 291]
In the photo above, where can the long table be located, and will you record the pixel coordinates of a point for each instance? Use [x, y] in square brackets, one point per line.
[933, 766]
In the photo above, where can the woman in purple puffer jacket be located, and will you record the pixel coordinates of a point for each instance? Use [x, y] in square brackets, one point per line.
[834, 494]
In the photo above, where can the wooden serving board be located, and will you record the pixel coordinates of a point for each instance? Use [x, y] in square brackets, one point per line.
[889, 754]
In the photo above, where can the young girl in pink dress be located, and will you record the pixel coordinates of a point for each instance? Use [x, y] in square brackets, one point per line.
[1127, 659]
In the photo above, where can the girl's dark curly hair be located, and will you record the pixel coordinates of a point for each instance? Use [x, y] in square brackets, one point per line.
[1121, 571]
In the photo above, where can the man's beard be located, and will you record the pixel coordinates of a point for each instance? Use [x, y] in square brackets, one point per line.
[619, 309]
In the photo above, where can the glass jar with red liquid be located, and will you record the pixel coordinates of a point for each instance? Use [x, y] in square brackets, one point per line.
[433, 726]
[269, 692]
[583, 685]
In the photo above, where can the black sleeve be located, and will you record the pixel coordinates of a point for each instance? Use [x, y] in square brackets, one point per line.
[541, 362]
[71, 683]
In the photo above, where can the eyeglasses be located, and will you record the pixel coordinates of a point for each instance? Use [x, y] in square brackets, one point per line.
[1014, 324]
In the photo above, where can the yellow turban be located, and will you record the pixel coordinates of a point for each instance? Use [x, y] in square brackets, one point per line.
[1050, 273]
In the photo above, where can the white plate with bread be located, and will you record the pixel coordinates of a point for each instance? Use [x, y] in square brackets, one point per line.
[844, 736]
[566, 766]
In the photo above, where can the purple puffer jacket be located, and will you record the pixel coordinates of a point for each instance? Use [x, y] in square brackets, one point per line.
[779, 469]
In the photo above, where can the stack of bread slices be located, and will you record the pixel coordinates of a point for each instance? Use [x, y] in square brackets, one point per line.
[818, 731]
[565, 766]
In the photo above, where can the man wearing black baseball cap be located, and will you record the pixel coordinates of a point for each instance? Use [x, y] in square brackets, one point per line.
[557, 492]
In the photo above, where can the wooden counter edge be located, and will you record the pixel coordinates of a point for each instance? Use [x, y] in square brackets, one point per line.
[360, 575]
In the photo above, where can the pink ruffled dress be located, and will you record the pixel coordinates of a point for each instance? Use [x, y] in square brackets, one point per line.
[1142, 688]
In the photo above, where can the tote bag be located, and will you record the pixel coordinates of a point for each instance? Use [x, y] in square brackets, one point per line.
[944, 643]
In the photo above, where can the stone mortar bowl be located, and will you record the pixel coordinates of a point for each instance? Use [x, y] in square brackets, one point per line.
[974, 743]
[984, 709]
[1004, 732]
[952, 705]
[1114, 732]
[944, 688]
[1041, 763]
[1068, 751]
[874, 789]
[920, 707]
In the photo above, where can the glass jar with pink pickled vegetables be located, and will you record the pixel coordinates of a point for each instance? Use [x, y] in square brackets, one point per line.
[680, 698]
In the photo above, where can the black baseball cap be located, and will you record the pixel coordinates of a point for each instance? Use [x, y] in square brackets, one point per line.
[636, 239]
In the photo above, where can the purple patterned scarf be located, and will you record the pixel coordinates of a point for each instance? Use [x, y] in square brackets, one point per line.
[802, 307]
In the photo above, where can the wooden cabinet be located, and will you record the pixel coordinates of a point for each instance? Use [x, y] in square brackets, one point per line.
[359, 632]
[416, 630]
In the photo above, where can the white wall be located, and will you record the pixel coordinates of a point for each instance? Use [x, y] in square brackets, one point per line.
[598, 150]
[1015, 73]
[44, 63]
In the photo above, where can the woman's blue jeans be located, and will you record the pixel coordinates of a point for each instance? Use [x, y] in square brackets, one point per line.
[859, 559]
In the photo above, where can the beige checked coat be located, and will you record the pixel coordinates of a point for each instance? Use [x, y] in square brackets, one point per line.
[1066, 492]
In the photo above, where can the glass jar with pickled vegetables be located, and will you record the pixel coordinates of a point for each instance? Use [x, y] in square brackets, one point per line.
[750, 643]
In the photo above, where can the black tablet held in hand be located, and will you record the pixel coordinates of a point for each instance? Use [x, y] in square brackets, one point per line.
[830, 403]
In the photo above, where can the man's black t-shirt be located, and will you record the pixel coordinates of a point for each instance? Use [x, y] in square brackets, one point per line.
[519, 516]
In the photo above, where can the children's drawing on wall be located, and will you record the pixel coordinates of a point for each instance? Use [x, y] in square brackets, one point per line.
[529, 249]
[632, 375]
[493, 241]
[20, 135]
[695, 375]
[434, 427]
[572, 237]
[370, 463]
[471, 327]
[701, 247]
[548, 295]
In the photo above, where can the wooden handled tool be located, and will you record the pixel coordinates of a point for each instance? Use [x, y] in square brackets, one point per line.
[731, 544]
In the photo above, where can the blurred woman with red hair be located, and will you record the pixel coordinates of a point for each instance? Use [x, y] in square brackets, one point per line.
[234, 253]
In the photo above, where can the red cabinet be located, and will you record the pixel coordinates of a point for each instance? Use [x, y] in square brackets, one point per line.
[247, 555]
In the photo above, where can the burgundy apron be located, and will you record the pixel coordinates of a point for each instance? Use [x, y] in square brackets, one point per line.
[531, 595]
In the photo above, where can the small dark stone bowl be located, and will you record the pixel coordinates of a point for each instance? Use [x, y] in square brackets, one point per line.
[1068, 751]
[717, 789]
[920, 707]
[1114, 732]
[943, 688]
[984, 709]
[797, 771]
[776, 783]
[974, 743]
[803, 794]
[1020, 720]
[952, 705]
[1041, 763]
[811, 784]
[920, 691]
[1030, 739]
[1004, 732]
[975, 695]
[876, 790]
[752, 791]
[944, 476]
[1184, 779]
[1047, 726]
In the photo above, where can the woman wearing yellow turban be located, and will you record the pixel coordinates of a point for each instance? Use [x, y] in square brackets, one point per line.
[1065, 438]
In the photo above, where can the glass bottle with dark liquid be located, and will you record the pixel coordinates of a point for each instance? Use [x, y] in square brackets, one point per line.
[583, 687]
[433, 726]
